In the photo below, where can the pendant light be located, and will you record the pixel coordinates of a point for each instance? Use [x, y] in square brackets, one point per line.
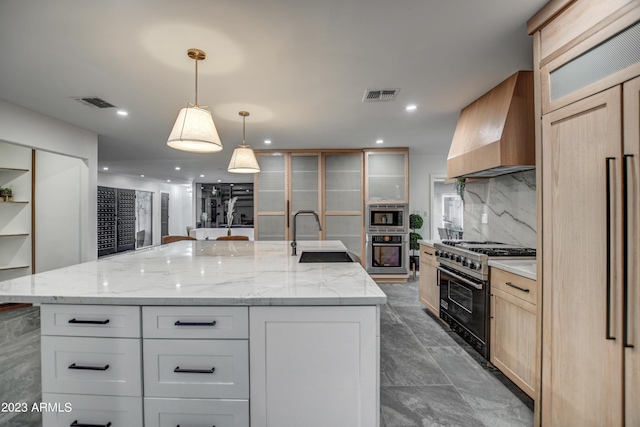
[194, 129]
[243, 159]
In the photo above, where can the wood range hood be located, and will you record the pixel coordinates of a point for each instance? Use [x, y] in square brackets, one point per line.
[495, 134]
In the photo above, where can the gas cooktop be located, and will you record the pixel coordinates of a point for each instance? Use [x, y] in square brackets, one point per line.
[472, 257]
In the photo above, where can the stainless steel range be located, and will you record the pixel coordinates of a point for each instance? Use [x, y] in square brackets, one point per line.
[463, 276]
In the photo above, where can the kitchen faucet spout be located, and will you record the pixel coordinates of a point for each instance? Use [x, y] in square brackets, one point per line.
[294, 245]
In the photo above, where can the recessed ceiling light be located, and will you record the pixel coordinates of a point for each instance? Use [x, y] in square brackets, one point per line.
[168, 180]
[177, 168]
[141, 176]
[411, 107]
[201, 176]
[219, 180]
[267, 141]
[122, 113]
[379, 141]
[105, 169]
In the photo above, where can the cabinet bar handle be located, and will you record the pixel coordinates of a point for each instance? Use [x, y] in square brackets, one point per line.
[625, 258]
[89, 322]
[75, 424]
[194, 371]
[89, 368]
[516, 287]
[179, 323]
[428, 253]
[608, 253]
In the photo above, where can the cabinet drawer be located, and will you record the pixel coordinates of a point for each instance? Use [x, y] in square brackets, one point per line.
[518, 286]
[92, 410]
[196, 368]
[195, 322]
[104, 366]
[90, 320]
[428, 255]
[196, 412]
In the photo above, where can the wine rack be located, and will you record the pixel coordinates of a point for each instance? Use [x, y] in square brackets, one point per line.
[116, 220]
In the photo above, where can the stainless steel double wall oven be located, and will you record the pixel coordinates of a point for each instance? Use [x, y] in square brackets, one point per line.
[387, 239]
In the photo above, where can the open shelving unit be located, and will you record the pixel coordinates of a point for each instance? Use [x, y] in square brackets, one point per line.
[16, 254]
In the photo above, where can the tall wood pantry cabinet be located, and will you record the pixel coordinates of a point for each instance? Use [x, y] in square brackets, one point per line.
[588, 107]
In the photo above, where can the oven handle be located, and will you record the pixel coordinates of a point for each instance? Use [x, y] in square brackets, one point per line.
[462, 279]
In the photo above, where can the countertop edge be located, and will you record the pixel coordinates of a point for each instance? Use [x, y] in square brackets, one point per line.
[190, 301]
[502, 265]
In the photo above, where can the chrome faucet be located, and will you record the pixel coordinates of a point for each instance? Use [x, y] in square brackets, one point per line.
[294, 245]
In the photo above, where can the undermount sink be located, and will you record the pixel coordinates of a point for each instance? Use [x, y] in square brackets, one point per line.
[334, 256]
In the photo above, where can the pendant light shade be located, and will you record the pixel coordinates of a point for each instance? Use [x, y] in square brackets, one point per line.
[243, 159]
[194, 129]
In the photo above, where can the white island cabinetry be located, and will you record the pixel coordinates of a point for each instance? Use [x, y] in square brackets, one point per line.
[209, 333]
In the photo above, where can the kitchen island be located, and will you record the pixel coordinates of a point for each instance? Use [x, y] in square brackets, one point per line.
[221, 333]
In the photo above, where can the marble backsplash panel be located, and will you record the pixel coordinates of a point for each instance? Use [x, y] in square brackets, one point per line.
[509, 201]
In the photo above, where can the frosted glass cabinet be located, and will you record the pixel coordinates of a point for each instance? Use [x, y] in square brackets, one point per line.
[387, 178]
[329, 183]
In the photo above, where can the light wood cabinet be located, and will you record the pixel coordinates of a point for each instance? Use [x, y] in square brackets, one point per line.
[387, 176]
[513, 328]
[429, 285]
[586, 79]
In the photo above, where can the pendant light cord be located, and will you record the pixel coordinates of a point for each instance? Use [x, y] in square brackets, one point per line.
[243, 119]
[196, 82]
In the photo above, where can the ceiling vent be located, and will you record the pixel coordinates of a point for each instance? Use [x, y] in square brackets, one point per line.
[379, 95]
[94, 101]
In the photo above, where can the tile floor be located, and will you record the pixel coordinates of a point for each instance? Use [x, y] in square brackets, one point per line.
[430, 377]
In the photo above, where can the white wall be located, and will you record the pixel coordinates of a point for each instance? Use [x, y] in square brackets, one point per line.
[421, 167]
[180, 201]
[26, 128]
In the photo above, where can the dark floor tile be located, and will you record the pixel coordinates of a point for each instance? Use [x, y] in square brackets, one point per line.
[426, 406]
[428, 330]
[401, 294]
[389, 316]
[404, 361]
[17, 322]
[484, 393]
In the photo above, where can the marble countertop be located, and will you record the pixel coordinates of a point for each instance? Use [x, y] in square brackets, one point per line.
[429, 242]
[203, 273]
[521, 267]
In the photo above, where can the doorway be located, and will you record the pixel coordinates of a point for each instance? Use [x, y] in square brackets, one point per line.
[447, 210]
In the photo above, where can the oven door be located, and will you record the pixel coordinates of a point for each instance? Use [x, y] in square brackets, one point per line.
[387, 258]
[463, 304]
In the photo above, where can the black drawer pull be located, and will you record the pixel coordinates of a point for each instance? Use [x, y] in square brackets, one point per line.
[75, 424]
[179, 323]
[517, 287]
[89, 368]
[194, 371]
[89, 322]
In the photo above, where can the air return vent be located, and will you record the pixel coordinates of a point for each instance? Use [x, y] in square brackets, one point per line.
[379, 95]
[94, 101]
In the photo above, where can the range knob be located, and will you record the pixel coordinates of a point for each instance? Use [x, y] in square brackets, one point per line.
[438, 252]
[458, 258]
[477, 265]
[463, 260]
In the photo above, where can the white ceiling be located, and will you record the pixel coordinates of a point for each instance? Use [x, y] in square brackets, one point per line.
[300, 67]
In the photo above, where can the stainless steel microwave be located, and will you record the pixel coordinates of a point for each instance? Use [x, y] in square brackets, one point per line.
[387, 218]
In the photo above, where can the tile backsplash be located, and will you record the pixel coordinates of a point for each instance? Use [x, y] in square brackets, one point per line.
[509, 202]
